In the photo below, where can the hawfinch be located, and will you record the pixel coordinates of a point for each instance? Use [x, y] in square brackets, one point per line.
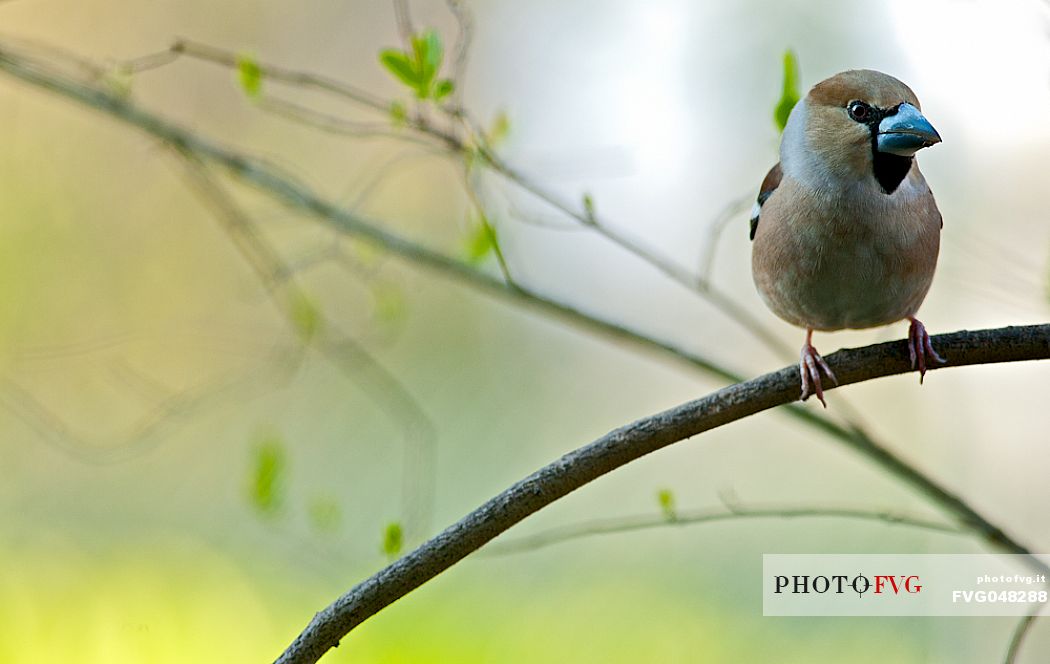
[845, 230]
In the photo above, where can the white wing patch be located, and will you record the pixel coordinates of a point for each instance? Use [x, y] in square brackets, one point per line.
[756, 210]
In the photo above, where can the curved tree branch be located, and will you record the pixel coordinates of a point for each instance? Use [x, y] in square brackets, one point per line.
[630, 442]
[1021, 631]
[366, 599]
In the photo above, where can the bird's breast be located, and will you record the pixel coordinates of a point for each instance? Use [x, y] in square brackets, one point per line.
[834, 262]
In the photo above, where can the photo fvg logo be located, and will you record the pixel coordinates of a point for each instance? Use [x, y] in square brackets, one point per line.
[795, 584]
[879, 584]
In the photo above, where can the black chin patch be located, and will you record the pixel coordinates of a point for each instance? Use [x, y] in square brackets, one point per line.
[890, 169]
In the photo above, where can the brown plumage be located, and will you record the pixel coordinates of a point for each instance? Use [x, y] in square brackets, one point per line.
[846, 231]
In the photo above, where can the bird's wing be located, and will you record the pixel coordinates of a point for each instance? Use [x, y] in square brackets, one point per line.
[769, 185]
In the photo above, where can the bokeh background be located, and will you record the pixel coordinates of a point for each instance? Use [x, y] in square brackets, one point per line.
[182, 481]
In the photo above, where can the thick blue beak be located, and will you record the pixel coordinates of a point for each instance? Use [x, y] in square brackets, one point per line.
[906, 132]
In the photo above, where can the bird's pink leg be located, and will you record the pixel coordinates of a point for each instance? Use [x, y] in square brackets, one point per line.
[920, 349]
[810, 367]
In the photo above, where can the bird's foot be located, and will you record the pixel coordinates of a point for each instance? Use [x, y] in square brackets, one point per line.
[810, 366]
[920, 350]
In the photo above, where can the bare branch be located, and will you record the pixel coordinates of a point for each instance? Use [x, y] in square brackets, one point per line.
[728, 214]
[647, 435]
[336, 125]
[150, 61]
[148, 431]
[676, 273]
[465, 23]
[470, 185]
[628, 524]
[204, 52]
[344, 352]
[1024, 627]
[685, 278]
[404, 23]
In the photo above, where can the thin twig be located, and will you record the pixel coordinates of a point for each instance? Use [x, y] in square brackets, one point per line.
[150, 61]
[345, 353]
[377, 176]
[635, 523]
[404, 23]
[148, 431]
[645, 436]
[333, 124]
[728, 214]
[1021, 631]
[541, 221]
[474, 194]
[686, 278]
[465, 24]
[204, 52]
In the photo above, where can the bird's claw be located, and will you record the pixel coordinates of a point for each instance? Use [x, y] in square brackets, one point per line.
[810, 366]
[920, 349]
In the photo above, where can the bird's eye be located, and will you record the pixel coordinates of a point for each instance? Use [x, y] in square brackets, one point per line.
[859, 111]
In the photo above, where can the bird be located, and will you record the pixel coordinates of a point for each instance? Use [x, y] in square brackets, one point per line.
[845, 229]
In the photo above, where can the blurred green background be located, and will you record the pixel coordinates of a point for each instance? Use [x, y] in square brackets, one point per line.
[184, 482]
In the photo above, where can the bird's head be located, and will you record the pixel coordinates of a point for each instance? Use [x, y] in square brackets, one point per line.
[860, 127]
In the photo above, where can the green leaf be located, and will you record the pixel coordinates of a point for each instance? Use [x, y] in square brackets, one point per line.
[398, 113]
[665, 497]
[444, 88]
[306, 316]
[588, 207]
[393, 539]
[325, 514]
[470, 157]
[401, 66]
[482, 241]
[251, 76]
[389, 303]
[429, 53]
[499, 129]
[119, 81]
[368, 254]
[266, 480]
[419, 68]
[435, 51]
[789, 95]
